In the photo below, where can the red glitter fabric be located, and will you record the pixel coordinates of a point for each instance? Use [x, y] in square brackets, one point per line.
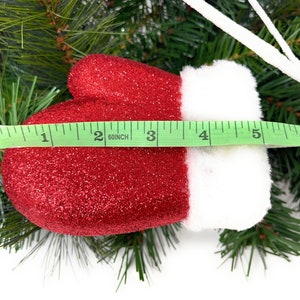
[100, 191]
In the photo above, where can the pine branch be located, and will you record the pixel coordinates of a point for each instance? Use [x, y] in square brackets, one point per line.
[15, 230]
[141, 249]
[44, 38]
[166, 34]
[278, 234]
[15, 107]
[17, 103]
[72, 250]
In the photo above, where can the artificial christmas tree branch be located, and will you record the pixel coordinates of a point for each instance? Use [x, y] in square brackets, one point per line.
[44, 38]
[277, 234]
[17, 103]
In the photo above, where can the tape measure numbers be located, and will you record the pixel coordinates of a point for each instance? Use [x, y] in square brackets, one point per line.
[151, 134]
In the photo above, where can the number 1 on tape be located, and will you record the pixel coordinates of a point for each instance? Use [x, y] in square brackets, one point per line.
[151, 134]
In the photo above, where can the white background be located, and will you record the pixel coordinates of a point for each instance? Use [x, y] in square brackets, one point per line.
[193, 271]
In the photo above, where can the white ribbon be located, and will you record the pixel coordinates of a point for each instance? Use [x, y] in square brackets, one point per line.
[288, 63]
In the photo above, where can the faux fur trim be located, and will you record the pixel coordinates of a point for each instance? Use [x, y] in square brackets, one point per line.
[229, 186]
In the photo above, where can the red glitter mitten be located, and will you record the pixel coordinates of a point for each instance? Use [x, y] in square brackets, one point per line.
[101, 191]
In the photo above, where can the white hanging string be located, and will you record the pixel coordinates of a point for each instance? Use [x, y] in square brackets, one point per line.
[273, 30]
[288, 64]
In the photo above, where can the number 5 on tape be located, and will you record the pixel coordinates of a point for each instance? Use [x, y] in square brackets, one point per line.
[151, 134]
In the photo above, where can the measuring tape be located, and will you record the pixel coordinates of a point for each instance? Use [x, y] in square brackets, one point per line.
[151, 134]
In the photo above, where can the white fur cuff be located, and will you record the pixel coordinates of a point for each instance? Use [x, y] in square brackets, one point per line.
[229, 186]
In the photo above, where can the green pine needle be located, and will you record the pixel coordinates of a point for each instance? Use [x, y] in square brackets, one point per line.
[140, 249]
[16, 231]
[17, 103]
[59, 249]
[15, 107]
[278, 234]
[44, 38]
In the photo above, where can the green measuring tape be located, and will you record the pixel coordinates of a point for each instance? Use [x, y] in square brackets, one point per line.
[151, 134]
